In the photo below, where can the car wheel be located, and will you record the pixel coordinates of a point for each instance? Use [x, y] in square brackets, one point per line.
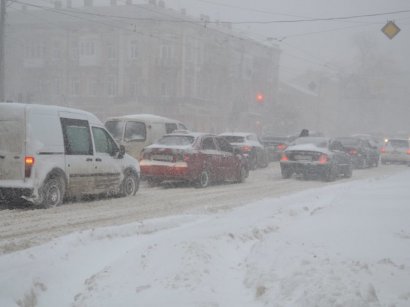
[52, 192]
[203, 179]
[130, 184]
[329, 174]
[348, 171]
[286, 173]
[243, 173]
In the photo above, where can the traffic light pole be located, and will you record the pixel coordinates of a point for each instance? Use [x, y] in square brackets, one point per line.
[2, 39]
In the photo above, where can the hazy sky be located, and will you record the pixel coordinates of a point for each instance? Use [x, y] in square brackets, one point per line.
[316, 45]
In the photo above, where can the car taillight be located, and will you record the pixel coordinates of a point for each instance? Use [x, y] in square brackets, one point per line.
[408, 151]
[186, 157]
[282, 147]
[284, 157]
[353, 152]
[383, 150]
[323, 159]
[28, 165]
[246, 148]
[144, 155]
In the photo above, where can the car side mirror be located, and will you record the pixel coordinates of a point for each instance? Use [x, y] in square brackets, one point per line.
[121, 152]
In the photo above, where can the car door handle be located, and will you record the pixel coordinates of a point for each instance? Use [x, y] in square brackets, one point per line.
[88, 159]
[98, 160]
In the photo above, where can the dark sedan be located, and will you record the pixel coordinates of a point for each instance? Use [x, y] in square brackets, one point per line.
[250, 146]
[194, 157]
[275, 145]
[316, 157]
[363, 153]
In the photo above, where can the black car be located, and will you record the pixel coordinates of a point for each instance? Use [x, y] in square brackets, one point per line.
[275, 145]
[362, 152]
[250, 146]
[316, 157]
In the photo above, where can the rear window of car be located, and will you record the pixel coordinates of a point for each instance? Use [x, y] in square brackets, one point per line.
[115, 127]
[234, 138]
[398, 143]
[349, 141]
[177, 140]
[11, 136]
[320, 142]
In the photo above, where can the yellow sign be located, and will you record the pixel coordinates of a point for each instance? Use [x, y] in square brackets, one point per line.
[390, 29]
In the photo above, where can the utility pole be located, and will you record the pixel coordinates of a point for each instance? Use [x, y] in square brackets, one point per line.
[2, 39]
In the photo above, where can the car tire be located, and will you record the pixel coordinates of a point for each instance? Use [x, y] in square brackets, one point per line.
[286, 173]
[348, 172]
[52, 192]
[203, 179]
[329, 175]
[243, 173]
[130, 184]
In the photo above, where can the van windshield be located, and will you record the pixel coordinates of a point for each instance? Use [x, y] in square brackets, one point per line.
[11, 136]
[116, 128]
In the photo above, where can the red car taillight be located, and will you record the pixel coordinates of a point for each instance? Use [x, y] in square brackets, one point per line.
[28, 165]
[186, 157]
[246, 148]
[408, 151]
[284, 157]
[383, 150]
[323, 159]
[353, 152]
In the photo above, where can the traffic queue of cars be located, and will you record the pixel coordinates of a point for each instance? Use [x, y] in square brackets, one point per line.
[49, 154]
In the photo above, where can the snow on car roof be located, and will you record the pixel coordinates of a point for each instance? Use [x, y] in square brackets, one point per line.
[244, 134]
[35, 106]
[142, 116]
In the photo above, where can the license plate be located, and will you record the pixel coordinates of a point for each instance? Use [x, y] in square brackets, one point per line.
[167, 158]
[303, 158]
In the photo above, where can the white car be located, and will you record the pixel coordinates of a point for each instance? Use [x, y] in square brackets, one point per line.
[396, 151]
[48, 153]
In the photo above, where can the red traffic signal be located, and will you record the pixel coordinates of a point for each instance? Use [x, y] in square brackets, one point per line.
[260, 98]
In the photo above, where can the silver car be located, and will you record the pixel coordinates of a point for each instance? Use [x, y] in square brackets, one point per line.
[396, 151]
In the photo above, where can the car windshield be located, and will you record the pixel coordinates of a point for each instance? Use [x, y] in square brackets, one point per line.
[176, 140]
[234, 138]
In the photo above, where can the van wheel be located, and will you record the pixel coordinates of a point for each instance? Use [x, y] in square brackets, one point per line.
[243, 173]
[203, 180]
[52, 192]
[130, 184]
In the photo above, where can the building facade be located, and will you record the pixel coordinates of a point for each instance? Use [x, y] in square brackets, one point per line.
[127, 59]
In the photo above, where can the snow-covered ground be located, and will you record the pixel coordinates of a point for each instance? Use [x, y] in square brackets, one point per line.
[346, 244]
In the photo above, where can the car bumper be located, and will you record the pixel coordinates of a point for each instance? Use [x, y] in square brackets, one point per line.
[299, 167]
[166, 170]
[400, 158]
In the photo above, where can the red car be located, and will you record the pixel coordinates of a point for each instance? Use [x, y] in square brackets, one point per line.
[195, 157]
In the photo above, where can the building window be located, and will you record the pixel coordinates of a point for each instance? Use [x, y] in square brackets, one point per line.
[133, 49]
[166, 52]
[87, 48]
[35, 50]
[93, 87]
[112, 86]
[75, 87]
[111, 51]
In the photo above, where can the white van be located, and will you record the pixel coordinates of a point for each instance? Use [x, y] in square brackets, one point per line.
[48, 153]
[136, 131]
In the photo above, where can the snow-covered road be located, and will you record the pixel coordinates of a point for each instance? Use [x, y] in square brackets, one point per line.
[22, 228]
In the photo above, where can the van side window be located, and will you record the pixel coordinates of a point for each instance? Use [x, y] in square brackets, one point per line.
[182, 127]
[103, 142]
[170, 127]
[135, 131]
[77, 136]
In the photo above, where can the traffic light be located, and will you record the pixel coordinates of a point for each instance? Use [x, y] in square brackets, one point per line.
[260, 98]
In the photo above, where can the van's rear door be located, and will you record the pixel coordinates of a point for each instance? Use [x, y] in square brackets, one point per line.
[12, 137]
